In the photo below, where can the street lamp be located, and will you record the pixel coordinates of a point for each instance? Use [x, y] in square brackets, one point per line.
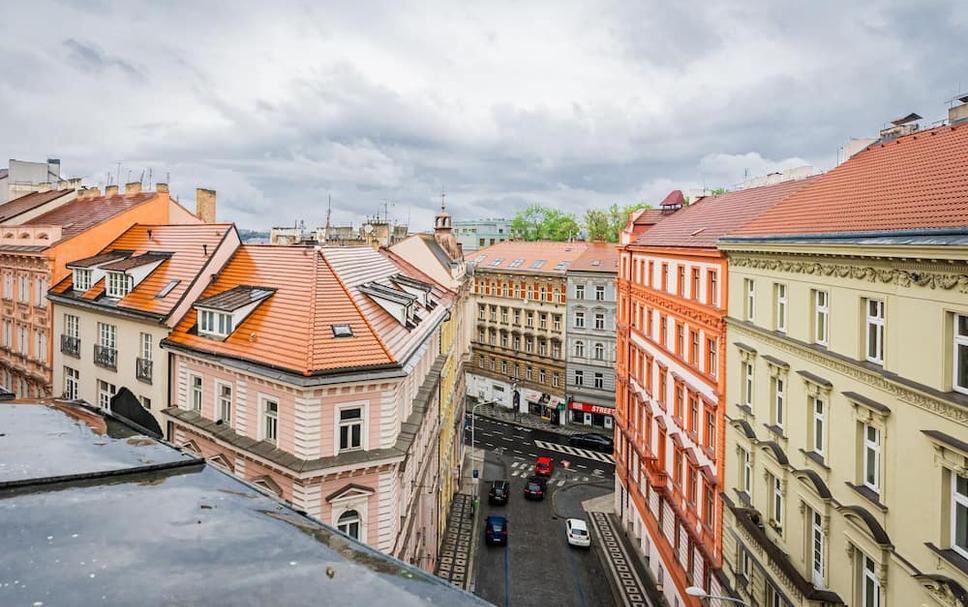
[699, 592]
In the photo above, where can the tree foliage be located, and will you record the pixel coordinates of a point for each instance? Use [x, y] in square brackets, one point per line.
[542, 223]
[607, 224]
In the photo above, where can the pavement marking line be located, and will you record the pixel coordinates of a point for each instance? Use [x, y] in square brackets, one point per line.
[518, 452]
[560, 483]
[515, 473]
[507, 576]
[532, 454]
[574, 451]
[510, 440]
[581, 466]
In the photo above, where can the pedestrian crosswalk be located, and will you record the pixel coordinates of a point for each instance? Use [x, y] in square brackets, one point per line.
[576, 452]
[524, 470]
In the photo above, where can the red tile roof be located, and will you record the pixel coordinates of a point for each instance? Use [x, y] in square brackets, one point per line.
[598, 257]
[647, 217]
[29, 202]
[916, 181]
[673, 198]
[80, 215]
[703, 223]
[557, 256]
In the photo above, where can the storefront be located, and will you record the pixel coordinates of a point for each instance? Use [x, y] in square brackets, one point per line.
[591, 415]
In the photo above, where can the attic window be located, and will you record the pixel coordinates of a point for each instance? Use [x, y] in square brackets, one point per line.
[218, 324]
[517, 262]
[168, 287]
[119, 284]
[561, 265]
[480, 258]
[342, 330]
[597, 262]
[538, 263]
[497, 261]
[82, 279]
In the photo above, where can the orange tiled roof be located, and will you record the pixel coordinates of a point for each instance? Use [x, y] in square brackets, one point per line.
[508, 252]
[599, 257]
[81, 214]
[703, 223]
[315, 288]
[913, 182]
[28, 202]
[645, 217]
[188, 249]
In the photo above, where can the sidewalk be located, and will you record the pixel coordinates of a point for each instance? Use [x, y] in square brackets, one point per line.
[526, 420]
[629, 577]
[458, 551]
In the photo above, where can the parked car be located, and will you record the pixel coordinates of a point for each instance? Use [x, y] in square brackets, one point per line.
[595, 442]
[545, 466]
[499, 493]
[534, 488]
[577, 533]
[496, 530]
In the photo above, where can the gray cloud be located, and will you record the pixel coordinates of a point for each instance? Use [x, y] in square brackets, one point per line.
[572, 104]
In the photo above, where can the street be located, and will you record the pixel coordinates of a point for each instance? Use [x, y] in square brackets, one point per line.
[538, 567]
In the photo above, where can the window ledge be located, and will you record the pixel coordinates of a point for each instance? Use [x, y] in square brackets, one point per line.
[951, 557]
[868, 495]
[816, 458]
[775, 430]
[748, 410]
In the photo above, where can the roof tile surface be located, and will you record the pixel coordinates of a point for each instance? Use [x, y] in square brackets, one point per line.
[557, 256]
[80, 215]
[29, 202]
[599, 257]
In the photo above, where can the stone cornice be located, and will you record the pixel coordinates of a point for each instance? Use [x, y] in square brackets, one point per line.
[932, 403]
[710, 321]
[927, 274]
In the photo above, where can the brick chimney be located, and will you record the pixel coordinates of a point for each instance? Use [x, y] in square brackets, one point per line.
[89, 193]
[161, 188]
[205, 205]
[111, 190]
[132, 188]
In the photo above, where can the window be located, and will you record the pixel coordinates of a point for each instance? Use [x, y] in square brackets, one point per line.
[146, 343]
[7, 334]
[695, 284]
[817, 427]
[23, 292]
[875, 331]
[40, 346]
[680, 337]
[749, 288]
[504, 314]
[710, 437]
[748, 384]
[504, 367]
[145, 402]
[579, 377]
[712, 288]
[961, 353]
[104, 393]
[819, 547]
[557, 322]
[270, 421]
[599, 321]
[555, 379]
[781, 307]
[493, 313]
[872, 458]
[40, 296]
[709, 509]
[480, 312]
[480, 361]
[599, 293]
[517, 317]
[504, 339]
[8, 286]
[821, 316]
[224, 402]
[580, 349]
[351, 429]
[555, 349]
[529, 373]
[776, 513]
[579, 291]
[599, 351]
[870, 584]
[579, 320]
[542, 320]
[681, 281]
[349, 523]
[528, 345]
[214, 323]
[677, 466]
[71, 326]
[599, 381]
[492, 363]
[665, 277]
[679, 401]
[779, 402]
[195, 392]
[541, 376]
[694, 348]
[529, 319]
[746, 478]
[711, 359]
[24, 346]
[71, 379]
[119, 284]
[959, 514]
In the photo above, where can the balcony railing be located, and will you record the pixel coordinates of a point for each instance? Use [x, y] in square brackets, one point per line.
[142, 369]
[71, 345]
[105, 357]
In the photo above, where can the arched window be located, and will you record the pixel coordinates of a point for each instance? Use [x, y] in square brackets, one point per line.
[599, 351]
[580, 349]
[349, 523]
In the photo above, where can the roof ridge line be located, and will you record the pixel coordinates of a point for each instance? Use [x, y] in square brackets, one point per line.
[311, 350]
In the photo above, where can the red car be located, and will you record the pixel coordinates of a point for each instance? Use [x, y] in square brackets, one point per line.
[544, 466]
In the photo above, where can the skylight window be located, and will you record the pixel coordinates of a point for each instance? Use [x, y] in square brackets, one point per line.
[597, 262]
[480, 258]
[168, 287]
[497, 261]
[342, 330]
[538, 263]
[517, 262]
[561, 265]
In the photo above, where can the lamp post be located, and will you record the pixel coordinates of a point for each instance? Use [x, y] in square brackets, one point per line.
[702, 594]
[477, 483]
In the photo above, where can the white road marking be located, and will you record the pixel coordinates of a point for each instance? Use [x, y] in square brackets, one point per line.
[581, 466]
[515, 473]
[516, 451]
[584, 453]
[510, 440]
[561, 482]
[584, 479]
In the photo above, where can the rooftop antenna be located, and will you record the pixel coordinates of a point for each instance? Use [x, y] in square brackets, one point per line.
[329, 210]
[119, 172]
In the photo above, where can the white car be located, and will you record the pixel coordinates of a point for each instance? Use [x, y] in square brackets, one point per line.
[577, 533]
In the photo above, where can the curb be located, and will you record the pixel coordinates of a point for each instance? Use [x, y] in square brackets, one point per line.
[572, 485]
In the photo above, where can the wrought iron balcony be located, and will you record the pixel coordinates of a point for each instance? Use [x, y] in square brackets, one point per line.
[142, 369]
[105, 357]
[71, 345]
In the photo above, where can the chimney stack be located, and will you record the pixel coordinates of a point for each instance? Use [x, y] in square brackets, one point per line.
[205, 204]
[958, 113]
[132, 188]
[900, 127]
[111, 190]
[74, 183]
[89, 193]
[161, 188]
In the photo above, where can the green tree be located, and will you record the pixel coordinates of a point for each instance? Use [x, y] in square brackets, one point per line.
[598, 225]
[542, 223]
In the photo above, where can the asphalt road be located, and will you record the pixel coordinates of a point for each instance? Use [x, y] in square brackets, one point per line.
[538, 567]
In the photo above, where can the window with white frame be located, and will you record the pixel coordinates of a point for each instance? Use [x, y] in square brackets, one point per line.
[821, 316]
[579, 291]
[579, 320]
[72, 326]
[599, 293]
[349, 523]
[779, 401]
[959, 514]
[82, 279]
[748, 383]
[146, 346]
[599, 381]
[870, 584]
[270, 421]
[40, 346]
[107, 335]
[875, 330]
[818, 413]
[599, 321]
[818, 543]
[7, 334]
[104, 393]
[224, 402]
[23, 292]
[542, 376]
[195, 392]
[960, 374]
[350, 429]
[24, 344]
[71, 379]
[210, 322]
[749, 288]
[579, 377]
[872, 458]
[776, 508]
[40, 294]
[781, 307]
[555, 379]
[557, 322]
[599, 351]
[746, 471]
[119, 284]
[8, 285]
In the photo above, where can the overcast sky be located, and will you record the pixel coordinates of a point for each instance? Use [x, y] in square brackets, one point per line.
[575, 105]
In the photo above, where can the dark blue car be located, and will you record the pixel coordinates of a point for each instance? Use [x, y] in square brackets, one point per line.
[496, 530]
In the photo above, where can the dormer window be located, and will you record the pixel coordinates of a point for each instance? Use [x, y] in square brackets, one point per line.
[82, 279]
[216, 324]
[119, 284]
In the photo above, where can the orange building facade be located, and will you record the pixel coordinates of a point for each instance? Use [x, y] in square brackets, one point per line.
[670, 387]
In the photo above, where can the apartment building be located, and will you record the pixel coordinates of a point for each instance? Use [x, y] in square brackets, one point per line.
[847, 391]
[475, 234]
[111, 313]
[671, 390]
[518, 352]
[40, 234]
[438, 258]
[23, 177]
[591, 336]
[315, 373]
